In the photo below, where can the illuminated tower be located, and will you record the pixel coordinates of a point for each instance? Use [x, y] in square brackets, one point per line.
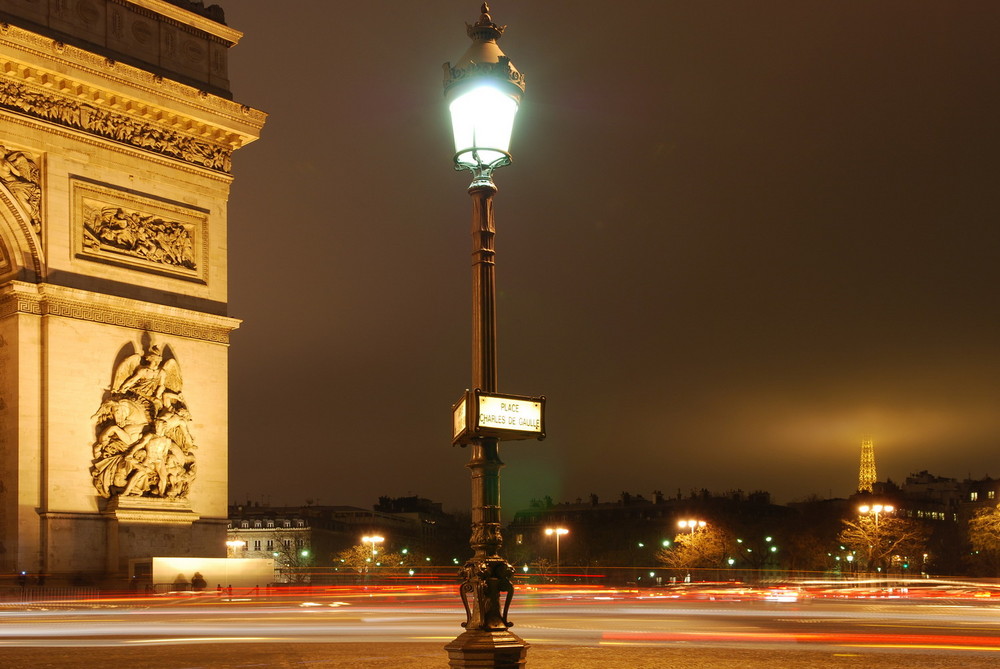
[866, 473]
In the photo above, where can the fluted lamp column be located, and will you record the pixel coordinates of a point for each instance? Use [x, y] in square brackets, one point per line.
[483, 90]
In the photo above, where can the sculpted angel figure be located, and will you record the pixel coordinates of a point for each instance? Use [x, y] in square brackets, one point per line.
[150, 380]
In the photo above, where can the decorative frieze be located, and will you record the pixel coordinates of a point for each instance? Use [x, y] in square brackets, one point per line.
[206, 136]
[139, 232]
[70, 112]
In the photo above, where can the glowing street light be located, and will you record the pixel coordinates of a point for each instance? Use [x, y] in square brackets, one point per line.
[373, 540]
[558, 531]
[693, 524]
[876, 510]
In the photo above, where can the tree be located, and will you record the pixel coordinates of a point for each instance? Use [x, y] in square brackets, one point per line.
[544, 568]
[365, 562]
[292, 556]
[880, 539]
[704, 548]
[984, 535]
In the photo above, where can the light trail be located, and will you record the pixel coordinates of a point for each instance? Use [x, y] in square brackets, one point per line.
[582, 619]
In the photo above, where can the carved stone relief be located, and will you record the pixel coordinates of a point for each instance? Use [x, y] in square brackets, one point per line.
[140, 232]
[143, 445]
[5, 263]
[139, 235]
[21, 176]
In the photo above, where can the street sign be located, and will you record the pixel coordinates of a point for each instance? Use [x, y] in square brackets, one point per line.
[505, 417]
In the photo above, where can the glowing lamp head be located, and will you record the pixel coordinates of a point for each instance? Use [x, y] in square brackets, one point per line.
[482, 120]
[483, 91]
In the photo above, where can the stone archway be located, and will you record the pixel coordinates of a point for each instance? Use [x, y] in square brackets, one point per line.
[21, 213]
[20, 247]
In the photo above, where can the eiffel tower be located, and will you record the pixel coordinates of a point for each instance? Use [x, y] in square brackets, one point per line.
[866, 473]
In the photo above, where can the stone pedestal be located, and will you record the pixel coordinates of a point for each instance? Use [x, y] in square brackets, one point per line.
[150, 510]
[492, 649]
[145, 527]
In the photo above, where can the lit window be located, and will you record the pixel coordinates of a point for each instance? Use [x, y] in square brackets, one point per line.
[974, 496]
[991, 494]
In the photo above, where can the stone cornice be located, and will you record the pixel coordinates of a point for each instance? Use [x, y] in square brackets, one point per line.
[188, 18]
[37, 63]
[51, 300]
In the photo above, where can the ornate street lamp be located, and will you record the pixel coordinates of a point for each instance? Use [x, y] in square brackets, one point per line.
[483, 91]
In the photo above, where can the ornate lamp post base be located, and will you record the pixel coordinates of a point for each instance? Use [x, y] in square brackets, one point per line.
[493, 649]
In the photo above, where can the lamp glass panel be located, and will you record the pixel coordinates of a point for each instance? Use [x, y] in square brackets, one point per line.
[482, 120]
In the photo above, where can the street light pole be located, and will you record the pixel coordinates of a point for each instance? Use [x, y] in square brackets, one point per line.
[558, 531]
[876, 510]
[483, 90]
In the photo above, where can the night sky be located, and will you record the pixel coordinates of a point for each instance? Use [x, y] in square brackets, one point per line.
[736, 238]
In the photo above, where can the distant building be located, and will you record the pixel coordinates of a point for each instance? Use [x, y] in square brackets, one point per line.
[944, 505]
[303, 540]
[627, 532]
